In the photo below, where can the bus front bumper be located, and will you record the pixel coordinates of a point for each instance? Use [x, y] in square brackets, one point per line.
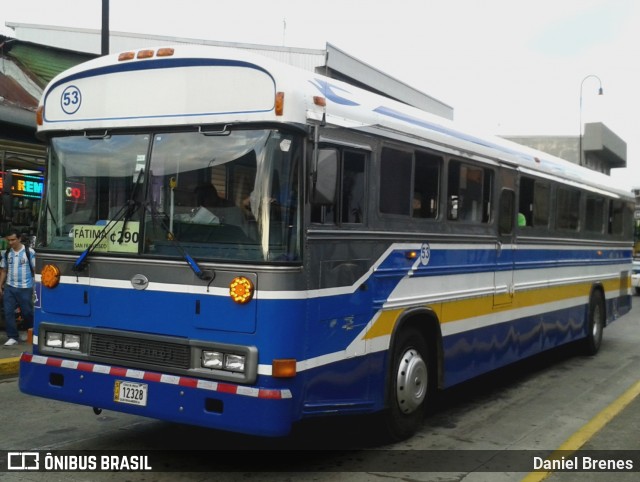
[181, 399]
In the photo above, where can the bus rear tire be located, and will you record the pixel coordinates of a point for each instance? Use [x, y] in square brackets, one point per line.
[595, 323]
[409, 385]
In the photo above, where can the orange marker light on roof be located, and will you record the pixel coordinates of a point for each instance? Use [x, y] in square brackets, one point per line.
[165, 52]
[279, 103]
[145, 54]
[40, 115]
[126, 56]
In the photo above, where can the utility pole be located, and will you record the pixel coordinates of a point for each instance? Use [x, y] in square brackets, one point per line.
[105, 27]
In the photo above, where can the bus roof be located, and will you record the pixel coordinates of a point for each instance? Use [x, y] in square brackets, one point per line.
[198, 85]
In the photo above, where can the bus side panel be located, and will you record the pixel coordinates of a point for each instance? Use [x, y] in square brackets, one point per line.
[472, 353]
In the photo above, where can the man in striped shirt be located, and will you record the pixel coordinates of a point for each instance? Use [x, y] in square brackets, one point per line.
[16, 284]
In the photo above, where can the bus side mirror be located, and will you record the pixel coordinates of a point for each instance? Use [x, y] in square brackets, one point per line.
[325, 179]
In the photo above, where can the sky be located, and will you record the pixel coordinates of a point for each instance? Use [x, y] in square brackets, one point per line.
[507, 67]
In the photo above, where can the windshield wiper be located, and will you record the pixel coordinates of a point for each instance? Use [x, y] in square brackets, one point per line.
[125, 213]
[203, 275]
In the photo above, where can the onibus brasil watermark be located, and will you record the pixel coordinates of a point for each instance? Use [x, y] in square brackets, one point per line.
[51, 462]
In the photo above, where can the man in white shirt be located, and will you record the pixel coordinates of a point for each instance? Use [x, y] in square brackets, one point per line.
[16, 284]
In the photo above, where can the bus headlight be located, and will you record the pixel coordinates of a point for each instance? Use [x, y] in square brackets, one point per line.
[67, 341]
[53, 340]
[231, 362]
[234, 363]
[213, 360]
[71, 342]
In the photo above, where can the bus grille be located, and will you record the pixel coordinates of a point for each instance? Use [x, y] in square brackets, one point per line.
[140, 351]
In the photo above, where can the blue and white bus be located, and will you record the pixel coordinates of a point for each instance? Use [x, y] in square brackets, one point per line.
[230, 242]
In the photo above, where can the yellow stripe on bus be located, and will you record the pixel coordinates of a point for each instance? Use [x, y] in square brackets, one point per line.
[458, 310]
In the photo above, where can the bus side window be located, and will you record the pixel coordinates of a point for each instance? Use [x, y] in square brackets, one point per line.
[398, 169]
[595, 214]
[505, 213]
[352, 192]
[534, 202]
[616, 217]
[541, 204]
[348, 207]
[567, 209]
[525, 202]
[395, 182]
[469, 193]
[426, 185]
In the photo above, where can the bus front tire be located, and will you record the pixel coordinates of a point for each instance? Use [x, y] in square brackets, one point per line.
[409, 385]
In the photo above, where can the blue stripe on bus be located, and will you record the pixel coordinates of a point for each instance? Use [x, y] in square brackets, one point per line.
[447, 131]
[164, 63]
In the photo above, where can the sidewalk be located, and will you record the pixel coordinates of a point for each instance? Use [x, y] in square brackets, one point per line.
[10, 356]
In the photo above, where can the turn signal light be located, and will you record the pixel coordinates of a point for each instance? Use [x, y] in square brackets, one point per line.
[285, 368]
[241, 290]
[50, 275]
[40, 115]
[279, 103]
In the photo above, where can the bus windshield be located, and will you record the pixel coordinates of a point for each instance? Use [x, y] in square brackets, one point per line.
[230, 196]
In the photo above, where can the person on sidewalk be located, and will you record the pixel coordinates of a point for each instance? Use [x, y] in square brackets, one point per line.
[16, 284]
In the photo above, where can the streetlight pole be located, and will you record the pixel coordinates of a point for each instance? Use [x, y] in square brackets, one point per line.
[600, 92]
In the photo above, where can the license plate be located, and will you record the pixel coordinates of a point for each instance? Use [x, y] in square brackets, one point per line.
[130, 392]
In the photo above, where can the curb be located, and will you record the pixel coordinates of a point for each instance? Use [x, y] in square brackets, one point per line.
[9, 366]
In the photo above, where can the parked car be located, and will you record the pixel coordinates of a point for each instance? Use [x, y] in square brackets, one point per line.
[635, 277]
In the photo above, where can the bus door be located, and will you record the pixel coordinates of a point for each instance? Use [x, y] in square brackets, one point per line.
[340, 260]
[505, 242]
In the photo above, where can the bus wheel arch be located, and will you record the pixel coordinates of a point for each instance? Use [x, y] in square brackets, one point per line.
[595, 321]
[413, 372]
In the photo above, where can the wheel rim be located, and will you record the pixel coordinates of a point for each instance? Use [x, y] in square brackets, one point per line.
[411, 381]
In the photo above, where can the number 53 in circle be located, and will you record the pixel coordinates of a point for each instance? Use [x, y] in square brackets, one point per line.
[71, 99]
[130, 392]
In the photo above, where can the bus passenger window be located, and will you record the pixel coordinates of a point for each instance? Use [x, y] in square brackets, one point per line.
[352, 190]
[541, 204]
[595, 213]
[568, 209]
[525, 203]
[616, 217]
[349, 206]
[426, 185]
[469, 193]
[505, 214]
[398, 169]
[395, 182]
[534, 202]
